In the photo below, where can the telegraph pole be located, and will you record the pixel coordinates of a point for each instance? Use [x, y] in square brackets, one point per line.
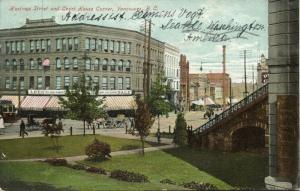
[253, 85]
[145, 61]
[245, 74]
[230, 92]
[148, 60]
[224, 70]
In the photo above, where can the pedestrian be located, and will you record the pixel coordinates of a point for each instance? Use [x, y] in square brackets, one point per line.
[22, 129]
[158, 135]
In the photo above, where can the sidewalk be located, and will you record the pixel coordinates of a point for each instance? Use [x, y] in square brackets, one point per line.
[73, 159]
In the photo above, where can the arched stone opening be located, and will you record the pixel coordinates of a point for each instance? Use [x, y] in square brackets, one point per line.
[248, 138]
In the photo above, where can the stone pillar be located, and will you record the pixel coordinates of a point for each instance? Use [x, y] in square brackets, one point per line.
[283, 75]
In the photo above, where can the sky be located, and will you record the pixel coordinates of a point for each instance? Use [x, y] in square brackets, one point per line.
[236, 13]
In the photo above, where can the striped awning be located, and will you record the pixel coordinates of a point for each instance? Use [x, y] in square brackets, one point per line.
[209, 101]
[14, 99]
[119, 103]
[36, 103]
[53, 104]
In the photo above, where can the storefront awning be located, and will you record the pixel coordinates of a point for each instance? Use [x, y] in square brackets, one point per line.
[53, 104]
[36, 103]
[14, 99]
[208, 101]
[119, 103]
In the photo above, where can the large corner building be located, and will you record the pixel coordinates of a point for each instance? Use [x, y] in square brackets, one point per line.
[44, 55]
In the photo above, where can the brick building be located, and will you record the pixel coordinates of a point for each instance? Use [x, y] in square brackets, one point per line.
[184, 98]
[216, 81]
[199, 86]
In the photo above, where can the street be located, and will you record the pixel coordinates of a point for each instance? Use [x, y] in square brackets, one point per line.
[193, 118]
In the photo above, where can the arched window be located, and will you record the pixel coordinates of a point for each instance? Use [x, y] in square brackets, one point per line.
[120, 65]
[113, 65]
[21, 64]
[104, 64]
[58, 63]
[88, 64]
[87, 43]
[7, 64]
[40, 64]
[14, 64]
[96, 64]
[75, 63]
[32, 65]
[127, 66]
[66, 63]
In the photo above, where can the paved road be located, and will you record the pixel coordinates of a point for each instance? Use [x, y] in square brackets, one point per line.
[193, 118]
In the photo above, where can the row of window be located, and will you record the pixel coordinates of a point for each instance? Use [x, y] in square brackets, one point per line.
[112, 83]
[68, 44]
[63, 44]
[154, 54]
[108, 45]
[15, 47]
[96, 64]
[171, 72]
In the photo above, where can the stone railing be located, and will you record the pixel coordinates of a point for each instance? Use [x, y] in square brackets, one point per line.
[233, 109]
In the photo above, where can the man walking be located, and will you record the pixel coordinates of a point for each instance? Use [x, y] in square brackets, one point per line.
[22, 129]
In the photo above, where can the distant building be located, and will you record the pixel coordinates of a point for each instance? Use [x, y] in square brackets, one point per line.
[262, 71]
[199, 86]
[172, 71]
[184, 98]
[216, 90]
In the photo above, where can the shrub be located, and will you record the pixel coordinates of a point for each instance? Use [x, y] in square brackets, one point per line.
[95, 170]
[57, 162]
[199, 186]
[76, 166]
[98, 150]
[180, 132]
[128, 176]
[167, 181]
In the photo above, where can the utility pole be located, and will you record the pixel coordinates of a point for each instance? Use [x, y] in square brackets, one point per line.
[230, 92]
[148, 60]
[253, 85]
[245, 74]
[223, 79]
[145, 62]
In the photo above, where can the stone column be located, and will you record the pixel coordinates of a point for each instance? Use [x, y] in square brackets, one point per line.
[283, 76]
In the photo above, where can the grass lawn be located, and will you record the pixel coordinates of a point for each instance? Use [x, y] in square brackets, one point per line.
[237, 169]
[42, 147]
[179, 164]
[41, 176]
[159, 165]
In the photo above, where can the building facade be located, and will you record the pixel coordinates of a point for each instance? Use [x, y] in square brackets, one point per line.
[172, 71]
[216, 81]
[184, 98]
[262, 71]
[44, 55]
[199, 86]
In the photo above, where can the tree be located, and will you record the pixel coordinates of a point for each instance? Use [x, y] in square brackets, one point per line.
[54, 130]
[180, 132]
[143, 121]
[82, 102]
[157, 101]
